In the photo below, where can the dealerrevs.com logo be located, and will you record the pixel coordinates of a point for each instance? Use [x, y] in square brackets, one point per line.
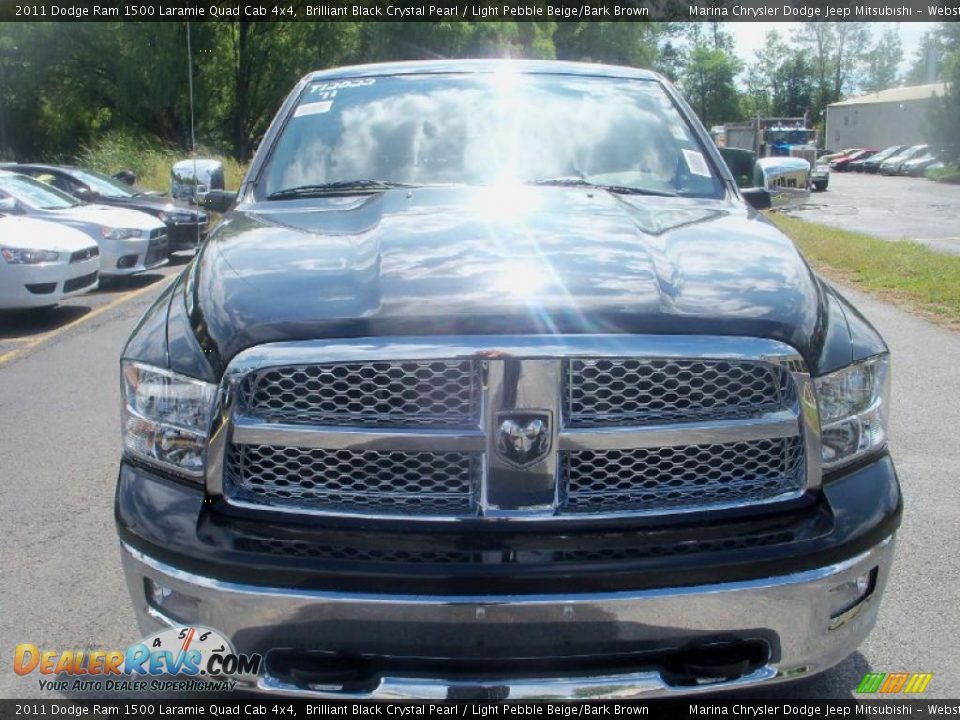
[179, 659]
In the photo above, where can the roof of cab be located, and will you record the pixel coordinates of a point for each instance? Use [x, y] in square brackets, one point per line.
[543, 67]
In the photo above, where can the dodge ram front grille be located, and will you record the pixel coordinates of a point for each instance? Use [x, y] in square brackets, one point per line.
[681, 477]
[368, 482]
[633, 391]
[520, 428]
[437, 393]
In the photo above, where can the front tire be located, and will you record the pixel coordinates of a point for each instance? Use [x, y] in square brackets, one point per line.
[821, 185]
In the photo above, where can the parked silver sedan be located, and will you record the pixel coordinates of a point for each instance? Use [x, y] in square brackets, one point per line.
[130, 241]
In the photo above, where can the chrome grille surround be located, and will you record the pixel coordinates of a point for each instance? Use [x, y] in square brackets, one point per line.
[517, 374]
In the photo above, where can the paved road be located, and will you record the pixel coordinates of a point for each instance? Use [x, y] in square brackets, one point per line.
[60, 580]
[893, 208]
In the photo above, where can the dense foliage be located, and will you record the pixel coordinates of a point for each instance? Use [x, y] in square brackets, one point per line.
[65, 88]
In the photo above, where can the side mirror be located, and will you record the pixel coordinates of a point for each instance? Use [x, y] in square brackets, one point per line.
[219, 200]
[127, 177]
[786, 179]
[741, 164]
[8, 206]
[758, 198]
[85, 194]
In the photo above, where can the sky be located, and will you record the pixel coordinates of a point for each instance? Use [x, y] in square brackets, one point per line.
[749, 36]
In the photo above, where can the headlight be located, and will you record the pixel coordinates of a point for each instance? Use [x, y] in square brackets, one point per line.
[853, 410]
[119, 233]
[165, 417]
[17, 256]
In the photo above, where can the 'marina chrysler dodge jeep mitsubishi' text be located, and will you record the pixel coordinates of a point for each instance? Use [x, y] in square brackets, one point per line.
[492, 383]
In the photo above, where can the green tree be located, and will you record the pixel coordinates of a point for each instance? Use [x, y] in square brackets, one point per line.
[836, 50]
[926, 65]
[883, 62]
[709, 73]
[792, 87]
[944, 114]
[762, 76]
[619, 43]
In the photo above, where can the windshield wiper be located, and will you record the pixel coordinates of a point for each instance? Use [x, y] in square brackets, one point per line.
[574, 181]
[332, 188]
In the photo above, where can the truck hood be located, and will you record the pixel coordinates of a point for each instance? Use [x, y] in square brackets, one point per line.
[498, 261]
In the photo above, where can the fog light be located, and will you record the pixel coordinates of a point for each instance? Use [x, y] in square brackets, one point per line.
[847, 599]
[172, 603]
[127, 261]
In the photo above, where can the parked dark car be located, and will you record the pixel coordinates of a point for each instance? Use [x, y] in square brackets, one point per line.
[843, 164]
[872, 163]
[186, 226]
[492, 384]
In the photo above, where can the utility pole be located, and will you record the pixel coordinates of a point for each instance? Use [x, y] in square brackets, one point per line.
[4, 56]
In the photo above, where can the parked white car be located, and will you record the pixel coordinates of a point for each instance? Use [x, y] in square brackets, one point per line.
[130, 241]
[41, 263]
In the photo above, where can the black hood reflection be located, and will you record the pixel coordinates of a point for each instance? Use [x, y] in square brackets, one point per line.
[508, 260]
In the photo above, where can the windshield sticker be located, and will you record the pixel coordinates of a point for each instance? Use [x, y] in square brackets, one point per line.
[696, 163]
[314, 108]
[326, 87]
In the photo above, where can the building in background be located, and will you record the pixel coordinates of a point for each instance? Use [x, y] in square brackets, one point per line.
[880, 119]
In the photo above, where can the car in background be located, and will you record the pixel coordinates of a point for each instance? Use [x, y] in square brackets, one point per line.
[872, 163]
[915, 167]
[891, 166]
[186, 226]
[843, 164]
[41, 263]
[130, 241]
[829, 157]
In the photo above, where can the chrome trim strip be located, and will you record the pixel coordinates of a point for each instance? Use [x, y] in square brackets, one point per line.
[517, 386]
[250, 431]
[773, 425]
[439, 347]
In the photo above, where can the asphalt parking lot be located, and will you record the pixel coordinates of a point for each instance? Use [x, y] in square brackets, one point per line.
[892, 208]
[60, 580]
[23, 330]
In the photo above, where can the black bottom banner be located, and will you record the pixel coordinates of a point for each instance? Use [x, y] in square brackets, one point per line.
[286, 708]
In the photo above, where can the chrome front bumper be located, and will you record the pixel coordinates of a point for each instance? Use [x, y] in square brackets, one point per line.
[797, 614]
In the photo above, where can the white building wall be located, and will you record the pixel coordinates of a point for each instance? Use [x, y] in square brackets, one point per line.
[876, 125]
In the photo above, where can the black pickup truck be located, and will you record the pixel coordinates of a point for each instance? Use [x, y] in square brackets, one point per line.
[492, 383]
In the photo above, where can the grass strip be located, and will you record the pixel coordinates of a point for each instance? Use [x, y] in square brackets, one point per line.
[905, 272]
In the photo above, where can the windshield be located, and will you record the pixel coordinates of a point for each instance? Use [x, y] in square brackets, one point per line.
[106, 186]
[36, 194]
[485, 129]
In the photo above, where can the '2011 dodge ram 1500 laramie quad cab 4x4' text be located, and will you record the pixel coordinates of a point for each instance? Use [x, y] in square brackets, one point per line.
[491, 383]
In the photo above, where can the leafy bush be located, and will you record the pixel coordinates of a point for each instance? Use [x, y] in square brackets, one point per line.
[148, 158]
[946, 174]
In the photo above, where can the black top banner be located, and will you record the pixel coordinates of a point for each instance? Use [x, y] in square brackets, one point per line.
[280, 707]
[468, 10]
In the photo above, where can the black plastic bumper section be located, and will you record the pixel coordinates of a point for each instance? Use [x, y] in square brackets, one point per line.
[173, 522]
